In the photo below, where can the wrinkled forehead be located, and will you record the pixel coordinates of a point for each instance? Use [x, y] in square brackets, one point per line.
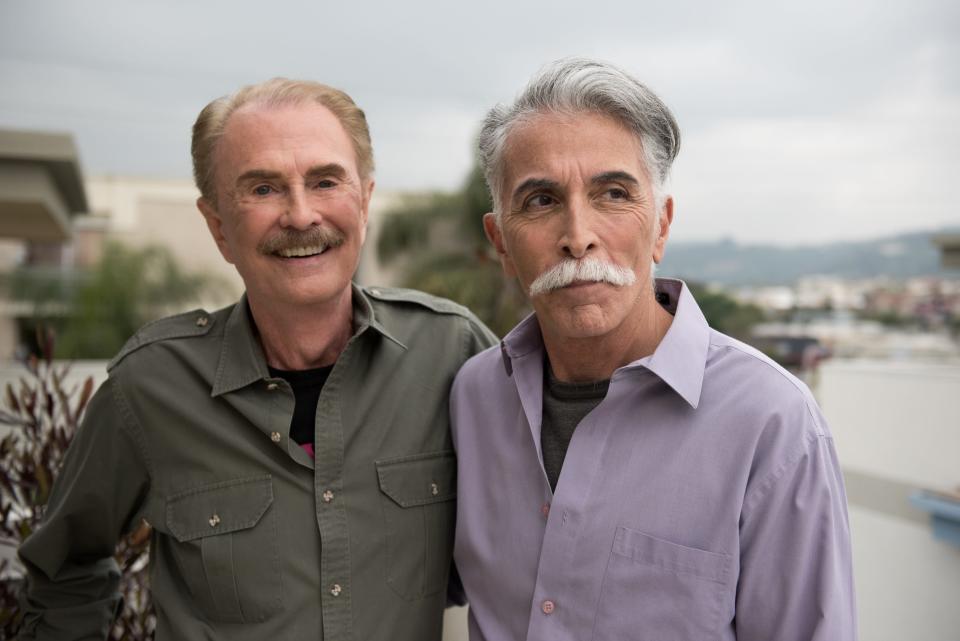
[287, 133]
[563, 146]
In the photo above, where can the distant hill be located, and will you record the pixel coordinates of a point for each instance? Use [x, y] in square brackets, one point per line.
[727, 262]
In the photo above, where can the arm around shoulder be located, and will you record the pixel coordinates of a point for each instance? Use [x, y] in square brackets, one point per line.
[71, 588]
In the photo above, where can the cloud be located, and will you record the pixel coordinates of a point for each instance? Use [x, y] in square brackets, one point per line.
[805, 121]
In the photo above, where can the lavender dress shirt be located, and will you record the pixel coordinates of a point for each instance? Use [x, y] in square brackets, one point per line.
[701, 500]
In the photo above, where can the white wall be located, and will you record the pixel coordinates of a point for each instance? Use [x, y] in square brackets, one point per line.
[900, 420]
[897, 429]
[908, 584]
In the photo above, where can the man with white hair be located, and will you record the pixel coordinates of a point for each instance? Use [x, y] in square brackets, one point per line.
[626, 472]
[292, 451]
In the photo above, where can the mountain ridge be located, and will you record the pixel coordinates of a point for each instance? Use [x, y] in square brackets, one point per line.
[727, 262]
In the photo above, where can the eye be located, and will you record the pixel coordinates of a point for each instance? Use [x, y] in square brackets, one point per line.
[618, 193]
[325, 183]
[539, 201]
[263, 190]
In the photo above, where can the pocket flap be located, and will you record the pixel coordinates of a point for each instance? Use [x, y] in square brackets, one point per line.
[419, 479]
[644, 548]
[219, 508]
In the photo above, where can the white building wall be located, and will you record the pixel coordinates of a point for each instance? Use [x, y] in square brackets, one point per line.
[895, 419]
[897, 429]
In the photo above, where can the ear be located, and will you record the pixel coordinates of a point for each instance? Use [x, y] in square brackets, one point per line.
[366, 192]
[495, 236]
[666, 219]
[216, 226]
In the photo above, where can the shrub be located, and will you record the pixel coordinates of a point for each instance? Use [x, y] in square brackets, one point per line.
[43, 413]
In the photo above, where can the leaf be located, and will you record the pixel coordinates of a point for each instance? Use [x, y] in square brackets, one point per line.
[12, 399]
[84, 398]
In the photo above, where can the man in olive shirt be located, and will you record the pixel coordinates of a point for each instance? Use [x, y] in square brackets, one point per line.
[339, 528]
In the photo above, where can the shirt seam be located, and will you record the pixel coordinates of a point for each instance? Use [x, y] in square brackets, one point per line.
[130, 425]
[754, 497]
[804, 393]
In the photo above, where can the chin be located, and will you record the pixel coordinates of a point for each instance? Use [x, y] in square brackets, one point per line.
[309, 296]
[588, 321]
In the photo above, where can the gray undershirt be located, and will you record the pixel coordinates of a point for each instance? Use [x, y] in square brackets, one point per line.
[564, 406]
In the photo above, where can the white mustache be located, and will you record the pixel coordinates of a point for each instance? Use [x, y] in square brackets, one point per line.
[571, 270]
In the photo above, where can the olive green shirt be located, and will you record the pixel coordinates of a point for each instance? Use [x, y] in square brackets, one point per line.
[253, 539]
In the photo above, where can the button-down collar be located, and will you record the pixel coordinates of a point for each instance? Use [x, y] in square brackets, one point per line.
[242, 361]
[679, 359]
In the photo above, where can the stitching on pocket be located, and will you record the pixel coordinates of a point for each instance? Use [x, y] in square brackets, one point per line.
[181, 528]
[664, 554]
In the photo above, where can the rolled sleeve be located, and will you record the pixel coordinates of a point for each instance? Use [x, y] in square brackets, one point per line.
[71, 589]
[796, 581]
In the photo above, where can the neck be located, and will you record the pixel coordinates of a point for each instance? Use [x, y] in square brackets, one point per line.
[304, 337]
[596, 358]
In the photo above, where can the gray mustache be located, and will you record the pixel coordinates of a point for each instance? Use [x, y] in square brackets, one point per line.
[572, 270]
[293, 238]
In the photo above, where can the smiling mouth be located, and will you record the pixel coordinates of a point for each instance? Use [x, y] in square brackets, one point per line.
[301, 252]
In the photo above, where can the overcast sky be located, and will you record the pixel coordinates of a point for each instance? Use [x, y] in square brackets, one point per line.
[802, 122]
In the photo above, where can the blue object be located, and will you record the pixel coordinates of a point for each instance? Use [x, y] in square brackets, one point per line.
[944, 515]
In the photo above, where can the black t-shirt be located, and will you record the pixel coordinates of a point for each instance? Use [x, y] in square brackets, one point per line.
[307, 385]
[564, 406]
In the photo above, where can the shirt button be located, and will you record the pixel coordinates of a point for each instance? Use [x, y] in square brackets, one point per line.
[545, 509]
[214, 520]
[548, 606]
[336, 589]
[272, 386]
[202, 321]
[275, 437]
[327, 496]
[434, 489]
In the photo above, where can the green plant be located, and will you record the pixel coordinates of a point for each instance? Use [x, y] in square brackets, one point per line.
[724, 313]
[42, 413]
[96, 311]
[438, 244]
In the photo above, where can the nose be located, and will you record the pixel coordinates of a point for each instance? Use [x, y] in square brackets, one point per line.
[578, 237]
[299, 212]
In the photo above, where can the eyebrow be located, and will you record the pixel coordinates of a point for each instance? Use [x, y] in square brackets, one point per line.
[614, 176]
[257, 174]
[535, 183]
[329, 169]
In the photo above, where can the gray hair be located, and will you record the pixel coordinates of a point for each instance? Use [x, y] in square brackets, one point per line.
[576, 85]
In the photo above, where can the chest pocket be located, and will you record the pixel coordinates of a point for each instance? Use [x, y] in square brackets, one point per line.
[673, 591]
[419, 509]
[227, 548]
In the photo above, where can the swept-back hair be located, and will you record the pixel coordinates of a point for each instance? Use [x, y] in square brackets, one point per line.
[576, 85]
[276, 92]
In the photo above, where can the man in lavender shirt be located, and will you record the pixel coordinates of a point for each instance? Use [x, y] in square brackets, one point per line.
[626, 472]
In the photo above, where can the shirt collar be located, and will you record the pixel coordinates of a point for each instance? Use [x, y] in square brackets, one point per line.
[679, 360]
[241, 356]
[681, 357]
